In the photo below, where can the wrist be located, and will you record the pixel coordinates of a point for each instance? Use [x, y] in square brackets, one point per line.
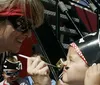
[42, 81]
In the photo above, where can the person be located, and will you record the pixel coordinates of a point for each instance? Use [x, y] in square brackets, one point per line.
[81, 55]
[17, 20]
[78, 65]
[11, 70]
[92, 76]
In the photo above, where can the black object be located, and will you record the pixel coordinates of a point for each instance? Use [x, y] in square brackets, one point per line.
[11, 74]
[51, 45]
[90, 47]
[12, 65]
[2, 59]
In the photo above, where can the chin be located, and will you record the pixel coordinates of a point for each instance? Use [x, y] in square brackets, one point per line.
[15, 50]
[66, 79]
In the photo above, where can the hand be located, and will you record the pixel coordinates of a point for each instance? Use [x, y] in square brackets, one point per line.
[92, 76]
[60, 82]
[39, 71]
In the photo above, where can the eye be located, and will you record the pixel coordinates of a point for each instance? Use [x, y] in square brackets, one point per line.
[71, 59]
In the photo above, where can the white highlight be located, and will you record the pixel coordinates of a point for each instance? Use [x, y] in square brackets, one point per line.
[23, 56]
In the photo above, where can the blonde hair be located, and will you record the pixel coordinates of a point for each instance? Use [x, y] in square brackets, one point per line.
[35, 6]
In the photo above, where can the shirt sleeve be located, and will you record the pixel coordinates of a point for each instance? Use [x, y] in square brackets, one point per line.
[84, 2]
[53, 82]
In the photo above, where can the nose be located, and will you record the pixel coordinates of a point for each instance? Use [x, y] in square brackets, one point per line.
[66, 65]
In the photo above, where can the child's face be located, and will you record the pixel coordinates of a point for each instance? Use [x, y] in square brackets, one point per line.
[11, 75]
[77, 68]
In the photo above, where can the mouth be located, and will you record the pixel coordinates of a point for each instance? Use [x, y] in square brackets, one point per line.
[20, 40]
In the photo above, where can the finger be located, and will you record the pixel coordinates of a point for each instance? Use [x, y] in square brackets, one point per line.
[44, 71]
[90, 70]
[36, 62]
[41, 65]
[94, 67]
[87, 71]
[93, 64]
[98, 65]
[30, 60]
[32, 71]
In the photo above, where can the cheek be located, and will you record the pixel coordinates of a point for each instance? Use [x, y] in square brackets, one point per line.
[75, 73]
[11, 39]
[70, 75]
[12, 36]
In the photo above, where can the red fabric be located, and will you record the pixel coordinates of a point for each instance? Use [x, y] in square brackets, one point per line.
[11, 12]
[15, 11]
[26, 49]
[88, 18]
[78, 51]
[4, 83]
